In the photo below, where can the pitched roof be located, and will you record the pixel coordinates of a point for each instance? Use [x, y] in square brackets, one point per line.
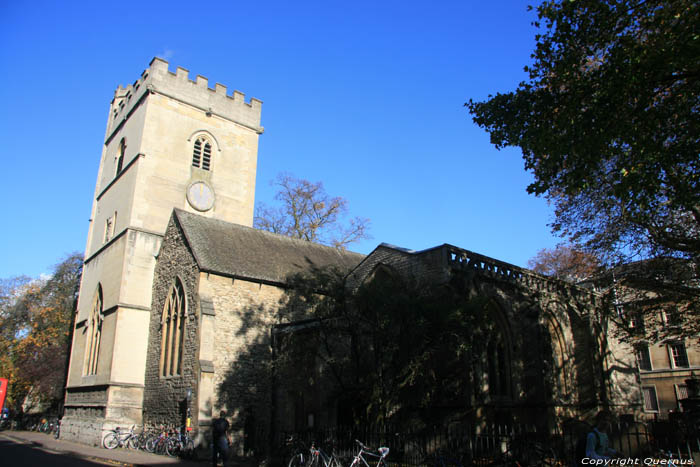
[235, 250]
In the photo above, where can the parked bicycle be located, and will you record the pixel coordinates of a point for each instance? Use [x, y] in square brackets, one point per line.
[118, 438]
[300, 454]
[158, 441]
[180, 445]
[320, 458]
[379, 454]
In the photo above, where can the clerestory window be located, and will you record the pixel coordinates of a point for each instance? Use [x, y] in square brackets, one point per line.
[173, 331]
[94, 334]
[201, 154]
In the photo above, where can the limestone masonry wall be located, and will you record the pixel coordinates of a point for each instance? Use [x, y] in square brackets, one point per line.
[197, 93]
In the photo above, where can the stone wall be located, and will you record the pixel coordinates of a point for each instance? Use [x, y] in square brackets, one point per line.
[245, 312]
[164, 397]
[561, 362]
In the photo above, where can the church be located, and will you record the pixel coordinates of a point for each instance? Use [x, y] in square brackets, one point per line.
[180, 297]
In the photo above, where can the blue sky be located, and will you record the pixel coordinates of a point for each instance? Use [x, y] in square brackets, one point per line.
[366, 97]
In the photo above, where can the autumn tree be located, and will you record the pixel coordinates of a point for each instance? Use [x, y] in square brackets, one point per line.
[608, 122]
[37, 319]
[11, 327]
[307, 212]
[565, 262]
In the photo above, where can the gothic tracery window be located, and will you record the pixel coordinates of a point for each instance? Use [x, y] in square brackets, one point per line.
[94, 334]
[201, 154]
[172, 331]
[497, 358]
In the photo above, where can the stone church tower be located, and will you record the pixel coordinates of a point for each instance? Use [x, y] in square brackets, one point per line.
[170, 143]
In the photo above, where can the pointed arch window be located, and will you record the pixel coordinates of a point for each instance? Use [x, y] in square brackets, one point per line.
[497, 365]
[172, 331]
[201, 154]
[497, 357]
[94, 334]
[120, 157]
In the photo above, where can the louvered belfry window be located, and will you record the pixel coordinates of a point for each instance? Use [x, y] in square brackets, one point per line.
[172, 330]
[201, 155]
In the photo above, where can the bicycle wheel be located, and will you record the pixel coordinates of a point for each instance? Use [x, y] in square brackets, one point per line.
[161, 444]
[188, 450]
[132, 442]
[173, 447]
[110, 441]
[150, 444]
[298, 460]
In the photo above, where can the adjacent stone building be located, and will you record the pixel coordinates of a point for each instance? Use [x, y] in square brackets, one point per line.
[180, 296]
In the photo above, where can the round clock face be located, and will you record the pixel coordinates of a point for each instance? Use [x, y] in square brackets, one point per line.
[200, 196]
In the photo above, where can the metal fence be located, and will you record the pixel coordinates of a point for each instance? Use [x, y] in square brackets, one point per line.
[492, 445]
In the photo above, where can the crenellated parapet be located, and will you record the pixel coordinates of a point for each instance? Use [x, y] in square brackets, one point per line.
[158, 79]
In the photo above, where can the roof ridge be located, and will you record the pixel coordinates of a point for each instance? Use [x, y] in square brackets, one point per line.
[281, 237]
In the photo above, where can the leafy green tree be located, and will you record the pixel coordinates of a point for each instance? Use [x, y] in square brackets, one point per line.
[608, 123]
[307, 212]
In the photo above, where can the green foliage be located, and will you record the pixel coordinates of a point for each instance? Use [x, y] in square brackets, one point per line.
[391, 349]
[608, 123]
[36, 318]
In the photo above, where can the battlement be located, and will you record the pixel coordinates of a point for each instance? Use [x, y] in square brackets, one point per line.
[157, 78]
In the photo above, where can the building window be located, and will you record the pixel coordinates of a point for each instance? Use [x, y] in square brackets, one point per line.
[201, 155]
[681, 393]
[94, 334]
[679, 356]
[651, 404]
[120, 157]
[172, 331]
[498, 371]
[110, 226]
[497, 360]
[671, 318]
[643, 358]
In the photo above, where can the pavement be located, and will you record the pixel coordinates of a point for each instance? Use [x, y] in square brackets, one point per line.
[118, 457]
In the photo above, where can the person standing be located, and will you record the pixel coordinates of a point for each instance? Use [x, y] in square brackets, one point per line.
[597, 442]
[220, 440]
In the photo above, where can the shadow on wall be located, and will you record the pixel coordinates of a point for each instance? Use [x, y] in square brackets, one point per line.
[245, 388]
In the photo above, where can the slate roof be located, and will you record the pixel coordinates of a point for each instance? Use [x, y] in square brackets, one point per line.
[235, 250]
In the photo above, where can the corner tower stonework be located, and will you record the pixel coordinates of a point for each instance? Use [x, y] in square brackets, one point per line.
[171, 142]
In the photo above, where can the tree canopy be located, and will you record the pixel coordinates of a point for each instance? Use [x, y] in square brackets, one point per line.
[564, 262]
[307, 212]
[608, 123]
[36, 318]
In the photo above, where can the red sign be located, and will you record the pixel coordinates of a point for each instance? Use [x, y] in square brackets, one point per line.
[3, 392]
